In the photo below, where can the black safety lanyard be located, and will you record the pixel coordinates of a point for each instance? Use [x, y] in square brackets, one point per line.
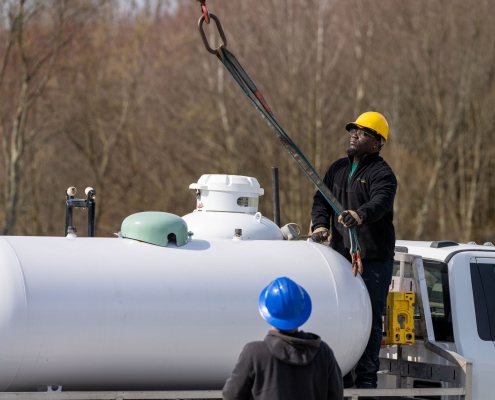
[253, 93]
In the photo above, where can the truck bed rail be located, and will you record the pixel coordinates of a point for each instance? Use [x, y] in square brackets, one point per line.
[110, 395]
[353, 394]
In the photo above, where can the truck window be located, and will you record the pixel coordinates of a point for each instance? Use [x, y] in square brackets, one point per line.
[437, 282]
[483, 282]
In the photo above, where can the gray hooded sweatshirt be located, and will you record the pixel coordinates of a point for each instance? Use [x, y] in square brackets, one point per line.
[297, 366]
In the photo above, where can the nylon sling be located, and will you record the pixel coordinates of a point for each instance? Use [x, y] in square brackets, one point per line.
[252, 92]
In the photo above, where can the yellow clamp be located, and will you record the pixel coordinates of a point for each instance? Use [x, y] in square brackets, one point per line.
[400, 318]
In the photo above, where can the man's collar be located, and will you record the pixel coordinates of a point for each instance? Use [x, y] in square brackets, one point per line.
[366, 158]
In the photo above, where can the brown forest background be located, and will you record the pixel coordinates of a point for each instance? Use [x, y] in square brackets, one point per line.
[123, 97]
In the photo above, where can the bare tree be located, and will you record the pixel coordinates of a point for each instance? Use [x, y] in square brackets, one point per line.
[36, 36]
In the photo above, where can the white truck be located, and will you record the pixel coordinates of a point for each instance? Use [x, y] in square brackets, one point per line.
[456, 315]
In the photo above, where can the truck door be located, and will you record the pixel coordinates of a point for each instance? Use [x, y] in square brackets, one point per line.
[483, 281]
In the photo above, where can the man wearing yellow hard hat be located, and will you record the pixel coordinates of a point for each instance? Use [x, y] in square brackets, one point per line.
[365, 185]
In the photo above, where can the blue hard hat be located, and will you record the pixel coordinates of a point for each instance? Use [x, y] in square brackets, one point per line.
[284, 304]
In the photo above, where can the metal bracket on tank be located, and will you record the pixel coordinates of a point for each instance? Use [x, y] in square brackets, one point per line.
[89, 203]
[50, 388]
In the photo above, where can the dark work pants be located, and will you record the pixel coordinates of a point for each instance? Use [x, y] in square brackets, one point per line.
[377, 276]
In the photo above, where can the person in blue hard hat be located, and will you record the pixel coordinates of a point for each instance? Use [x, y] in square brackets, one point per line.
[289, 363]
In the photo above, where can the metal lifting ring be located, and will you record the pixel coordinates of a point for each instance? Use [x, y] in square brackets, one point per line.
[203, 35]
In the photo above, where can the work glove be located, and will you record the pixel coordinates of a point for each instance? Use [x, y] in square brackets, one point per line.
[350, 218]
[320, 235]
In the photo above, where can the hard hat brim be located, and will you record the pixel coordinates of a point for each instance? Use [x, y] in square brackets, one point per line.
[284, 324]
[352, 125]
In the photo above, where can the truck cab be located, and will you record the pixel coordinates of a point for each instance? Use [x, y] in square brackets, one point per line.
[460, 287]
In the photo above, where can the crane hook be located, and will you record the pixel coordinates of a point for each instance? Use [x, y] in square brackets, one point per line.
[205, 11]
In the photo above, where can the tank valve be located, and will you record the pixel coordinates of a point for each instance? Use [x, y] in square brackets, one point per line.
[91, 193]
[50, 388]
[291, 231]
[89, 203]
[71, 232]
[238, 234]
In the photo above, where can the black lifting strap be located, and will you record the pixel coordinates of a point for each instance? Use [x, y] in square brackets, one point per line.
[252, 92]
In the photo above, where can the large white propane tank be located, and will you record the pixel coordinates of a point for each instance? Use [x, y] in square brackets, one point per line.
[226, 203]
[120, 314]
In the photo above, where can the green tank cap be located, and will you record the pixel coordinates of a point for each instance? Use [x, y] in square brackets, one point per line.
[155, 227]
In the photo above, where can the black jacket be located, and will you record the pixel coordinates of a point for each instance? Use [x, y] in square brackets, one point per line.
[371, 190]
[285, 366]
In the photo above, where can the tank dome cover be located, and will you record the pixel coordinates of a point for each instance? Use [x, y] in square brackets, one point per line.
[228, 183]
[155, 227]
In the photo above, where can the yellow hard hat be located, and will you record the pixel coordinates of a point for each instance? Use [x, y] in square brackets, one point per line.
[371, 120]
